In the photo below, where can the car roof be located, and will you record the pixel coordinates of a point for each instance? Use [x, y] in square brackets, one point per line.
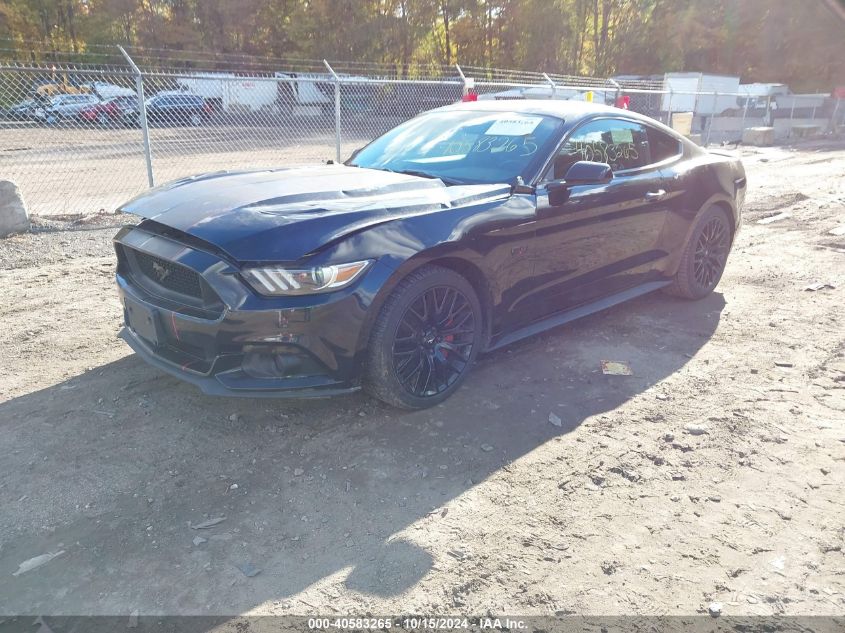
[571, 111]
[176, 93]
[564, 109]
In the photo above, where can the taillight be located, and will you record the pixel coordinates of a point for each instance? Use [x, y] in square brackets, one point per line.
[206, 108]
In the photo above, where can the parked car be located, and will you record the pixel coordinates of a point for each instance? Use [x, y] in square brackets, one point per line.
[21, 111]
[112, 111]
[177, 108]
[62, 107]
[462, 230]
[106, 90]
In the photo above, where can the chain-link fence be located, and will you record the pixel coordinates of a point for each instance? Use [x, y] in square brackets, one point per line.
[77, 138]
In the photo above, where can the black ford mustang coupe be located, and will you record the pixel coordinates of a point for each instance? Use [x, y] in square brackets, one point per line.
[459, 231]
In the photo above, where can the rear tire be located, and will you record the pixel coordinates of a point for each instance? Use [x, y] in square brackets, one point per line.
[425, 339]
[704, 256]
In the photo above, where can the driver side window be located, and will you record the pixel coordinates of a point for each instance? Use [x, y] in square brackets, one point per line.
[621, 144]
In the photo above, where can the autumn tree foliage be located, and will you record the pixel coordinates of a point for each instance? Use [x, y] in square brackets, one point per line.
[796, 42]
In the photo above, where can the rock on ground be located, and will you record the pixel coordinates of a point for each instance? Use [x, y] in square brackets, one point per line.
[13, 215]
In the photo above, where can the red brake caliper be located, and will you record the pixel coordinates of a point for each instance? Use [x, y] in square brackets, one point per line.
[448, 337]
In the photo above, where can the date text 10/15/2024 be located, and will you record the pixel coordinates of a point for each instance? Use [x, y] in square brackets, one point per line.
[418, 623]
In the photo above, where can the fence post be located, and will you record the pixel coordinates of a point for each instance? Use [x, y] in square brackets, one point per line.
[336, 111]
[712, 117]
[669, 110]
[465, 88]
[831, 124]
[769, 121]
[617, 88]
[142, 110]
[744, 115]
[791, 117]
[552, 84]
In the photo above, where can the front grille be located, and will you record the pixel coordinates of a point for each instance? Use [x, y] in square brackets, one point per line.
[168, 284]
[169, 274]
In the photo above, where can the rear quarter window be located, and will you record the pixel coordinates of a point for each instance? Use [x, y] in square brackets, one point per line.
[663, 146]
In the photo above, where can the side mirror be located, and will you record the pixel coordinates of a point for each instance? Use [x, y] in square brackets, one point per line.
[558, 193]
[583, 172]
[586, 172]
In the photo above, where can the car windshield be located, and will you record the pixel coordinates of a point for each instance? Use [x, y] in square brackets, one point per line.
[464, 146]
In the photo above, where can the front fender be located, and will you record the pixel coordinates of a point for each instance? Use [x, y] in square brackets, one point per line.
[468, 240]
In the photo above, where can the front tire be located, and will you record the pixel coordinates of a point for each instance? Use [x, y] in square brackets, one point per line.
[704, 257]
[425, 339]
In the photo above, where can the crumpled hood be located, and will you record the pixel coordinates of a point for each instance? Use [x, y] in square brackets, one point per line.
[285, 214]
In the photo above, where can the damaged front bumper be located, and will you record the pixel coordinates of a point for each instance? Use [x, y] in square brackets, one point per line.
[236, 382]
[187, 313]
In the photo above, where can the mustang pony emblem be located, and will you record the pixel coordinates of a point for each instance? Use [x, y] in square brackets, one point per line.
[161, 272]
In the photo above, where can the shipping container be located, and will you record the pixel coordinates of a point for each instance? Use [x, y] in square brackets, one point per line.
[682, 89]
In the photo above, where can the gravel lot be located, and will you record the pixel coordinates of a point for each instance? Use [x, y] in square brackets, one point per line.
[347, 506]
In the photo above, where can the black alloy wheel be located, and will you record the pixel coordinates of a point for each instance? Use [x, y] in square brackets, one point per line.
[704, 256]
[425, 339]
[433, 342]
[711, 252]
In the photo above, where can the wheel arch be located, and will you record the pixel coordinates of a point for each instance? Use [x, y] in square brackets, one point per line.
[729, 210]
[478, 280]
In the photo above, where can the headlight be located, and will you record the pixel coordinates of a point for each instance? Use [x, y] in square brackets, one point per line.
[274, 281]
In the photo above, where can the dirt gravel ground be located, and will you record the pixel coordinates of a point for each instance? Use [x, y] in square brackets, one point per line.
[713, 474]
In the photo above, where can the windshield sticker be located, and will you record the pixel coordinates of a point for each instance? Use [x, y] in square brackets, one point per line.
[621, 136]
[514, 126]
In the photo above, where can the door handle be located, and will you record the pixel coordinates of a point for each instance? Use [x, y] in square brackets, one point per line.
[655, 195]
